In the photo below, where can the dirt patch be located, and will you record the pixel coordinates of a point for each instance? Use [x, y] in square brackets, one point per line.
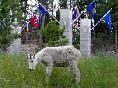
[26, 48]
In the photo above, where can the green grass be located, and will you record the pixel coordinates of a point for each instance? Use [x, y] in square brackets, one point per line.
[96, 72]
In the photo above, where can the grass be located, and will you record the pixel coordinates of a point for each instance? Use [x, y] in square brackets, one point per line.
[96, 72]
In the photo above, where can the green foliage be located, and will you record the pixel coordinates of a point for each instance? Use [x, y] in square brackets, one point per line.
[15, 35]
[4, 39]
[6, 19]
[4, 27]
[53, 35]
[76, 37]
[96, 72]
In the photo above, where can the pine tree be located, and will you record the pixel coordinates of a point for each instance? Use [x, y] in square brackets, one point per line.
[4, 24]
[9, 9]
[52, 35]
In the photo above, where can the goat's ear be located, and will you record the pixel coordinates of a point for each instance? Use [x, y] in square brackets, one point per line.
[28, 56]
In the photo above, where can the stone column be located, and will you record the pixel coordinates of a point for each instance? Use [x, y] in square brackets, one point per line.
[85, 37]
[66, 23]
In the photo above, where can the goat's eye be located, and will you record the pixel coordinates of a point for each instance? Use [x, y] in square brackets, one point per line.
[69, 52]
[31, 61]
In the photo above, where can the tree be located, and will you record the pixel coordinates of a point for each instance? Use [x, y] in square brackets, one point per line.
[9, 9]
[4, 25]
[52, 35]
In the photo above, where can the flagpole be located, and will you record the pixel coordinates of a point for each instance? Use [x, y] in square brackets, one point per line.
[97, 23]
[77, 17]
[53, 17]
[100, 20]
[91, 2]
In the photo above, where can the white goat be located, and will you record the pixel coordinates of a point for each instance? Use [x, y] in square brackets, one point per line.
[64, 56]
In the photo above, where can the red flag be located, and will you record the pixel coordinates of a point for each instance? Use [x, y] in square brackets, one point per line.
[33, 21]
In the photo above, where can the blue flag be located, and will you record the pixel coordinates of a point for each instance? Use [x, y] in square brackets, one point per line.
[90, 9]
[107, 20]
[94, 17]
[42, 10]
[75, 14]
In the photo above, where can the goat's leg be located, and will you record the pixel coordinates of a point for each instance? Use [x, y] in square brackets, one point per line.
[49, 70]
[49, 67]
[74, 70]
[48, 73]
[48, 62]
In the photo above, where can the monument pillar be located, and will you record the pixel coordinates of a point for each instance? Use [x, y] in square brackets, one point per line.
[85, 37]
[66, 23]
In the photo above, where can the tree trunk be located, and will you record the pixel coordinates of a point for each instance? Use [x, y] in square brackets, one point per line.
[116, 42]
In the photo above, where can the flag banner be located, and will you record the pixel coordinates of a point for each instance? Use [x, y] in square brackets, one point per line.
[93, 17]
[75, 14]
[91, 7]
[91, 10]
[107, 20]
[26, 25]
[42, 10]
[55, 6]
[33, 21]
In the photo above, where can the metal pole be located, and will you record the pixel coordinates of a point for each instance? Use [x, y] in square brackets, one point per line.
[97, 23]
[77, 18]
[53, 17]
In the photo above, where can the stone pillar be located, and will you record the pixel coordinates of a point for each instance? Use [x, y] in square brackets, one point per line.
[85, 37]
[66, 23]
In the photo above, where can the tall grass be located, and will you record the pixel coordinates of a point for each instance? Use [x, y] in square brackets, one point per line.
[96, 72]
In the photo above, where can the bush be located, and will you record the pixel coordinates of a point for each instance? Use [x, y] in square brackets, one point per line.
[5, 38]
[53, 35]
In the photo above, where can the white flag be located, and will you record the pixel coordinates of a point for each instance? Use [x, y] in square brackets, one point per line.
[55, 6]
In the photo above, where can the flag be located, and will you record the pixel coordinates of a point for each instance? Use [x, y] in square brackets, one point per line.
[55, 7]
[42, 10]
[33, 21]
[93, 17]
[26, 25]
[90, 9]
[75, 13]
[107, 20]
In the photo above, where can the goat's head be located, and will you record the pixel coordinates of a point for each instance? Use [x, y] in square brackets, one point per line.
[32, 61]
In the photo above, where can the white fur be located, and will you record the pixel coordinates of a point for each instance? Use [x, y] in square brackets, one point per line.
[64, 56]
